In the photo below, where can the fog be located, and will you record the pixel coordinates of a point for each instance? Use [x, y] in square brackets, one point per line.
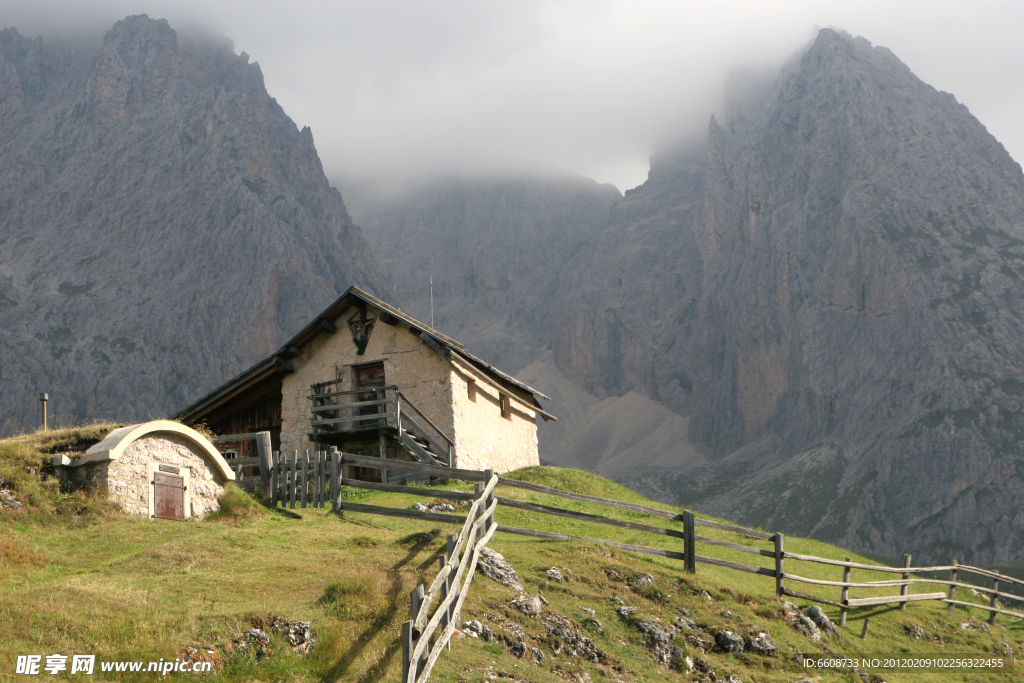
[398, 89]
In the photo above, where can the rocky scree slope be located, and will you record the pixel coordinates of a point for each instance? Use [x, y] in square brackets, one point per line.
[163, 223]
[831, 290]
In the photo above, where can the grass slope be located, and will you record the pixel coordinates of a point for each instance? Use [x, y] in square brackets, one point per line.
[76, 576]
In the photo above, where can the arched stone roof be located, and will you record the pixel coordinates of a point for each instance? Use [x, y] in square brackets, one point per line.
[114, 445]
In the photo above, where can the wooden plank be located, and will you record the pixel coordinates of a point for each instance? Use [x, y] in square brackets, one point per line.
[305, 478]
[734, 546]
[989, 574]
[689, 543]
[873, 567]
[293, 468]
[585, 517]
[986, 607]
[396, 512]
[354, 404]
[714, 561]
[356, 418]
[904, 588]
[275, 458]
[265, 449]
[621, 546]
[230, 438]
[845, 593]
[245, 462]
[863, 602]
[812, 598]
[335, 475]
[411, 490]
[420, 432]
[899, 582]
[412, 467]
[742, 531]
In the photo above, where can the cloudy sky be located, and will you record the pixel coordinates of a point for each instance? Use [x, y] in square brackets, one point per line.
[594, 87]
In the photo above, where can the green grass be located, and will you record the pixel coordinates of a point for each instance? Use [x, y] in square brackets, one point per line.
[76, 576]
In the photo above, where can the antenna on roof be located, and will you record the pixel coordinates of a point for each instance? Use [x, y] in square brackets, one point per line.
[431, 301]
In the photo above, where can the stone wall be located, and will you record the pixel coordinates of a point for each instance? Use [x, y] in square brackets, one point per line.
[484, 439]
[421, 375]
[128, 483]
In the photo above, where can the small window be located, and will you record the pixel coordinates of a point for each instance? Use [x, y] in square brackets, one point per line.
[506, 407]
[471, 389]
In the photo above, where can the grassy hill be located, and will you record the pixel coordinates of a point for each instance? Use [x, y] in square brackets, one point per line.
[77, 576]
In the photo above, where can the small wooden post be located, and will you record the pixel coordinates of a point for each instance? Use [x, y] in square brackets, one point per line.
[293, 478]
[406, 650]
[845, 596]
[452, 586]
[864, 631]
[335, 469]
[43, 398]
[487, 504]
[275, 461]
[780, 552]
[689, 544]
[994, 601]
[478, 492]
[952, 577]
[321, 461]
[305, 478]
[263, 449]
[415, 604]
[441, 562]
[905, 587]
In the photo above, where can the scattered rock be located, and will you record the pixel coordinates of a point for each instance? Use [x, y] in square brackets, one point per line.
[915, 632]
[689, 624]
[806, 626]
[762, 644]
[297, 633]
[419, 507]
[574, 643]
[442, 507]
[660, 641]
[255, 641]
[707, 597]
[536, 655]
[555, 575]
[702, 644]
[8, 501]
[492, 564]
[587, 610]
[730, 642]
[593, 624]
[790, 606]
[685, 612]
[643, 580]
[818, 617]
[615, 601]
[527, 605]
[625, 612]
[733, 679]
[727, 614]
[518, 649]
[985, 627]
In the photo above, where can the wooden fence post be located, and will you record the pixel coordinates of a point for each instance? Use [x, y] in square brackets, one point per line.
[846, 595]
[293, 479]
[275, 462]
[689, 544]
[487, 504]
[321, 460]
[952, 577]
[406, 649]
[994, 602]
[780, 551]
[305, 477]
[904, 587]
[450, 581]
[442, 561]
[264, 449]
[478, 492]
[415, 603]
[335, 470]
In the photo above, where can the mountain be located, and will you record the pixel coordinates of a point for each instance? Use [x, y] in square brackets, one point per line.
[163, 223]
[830, 289]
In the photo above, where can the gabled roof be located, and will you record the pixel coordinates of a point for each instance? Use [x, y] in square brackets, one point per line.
[277, 362]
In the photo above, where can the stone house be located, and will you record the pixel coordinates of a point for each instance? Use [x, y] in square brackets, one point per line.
[370, 380]
[159, 469]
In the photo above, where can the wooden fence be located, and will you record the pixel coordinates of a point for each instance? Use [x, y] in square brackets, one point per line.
[302, 480]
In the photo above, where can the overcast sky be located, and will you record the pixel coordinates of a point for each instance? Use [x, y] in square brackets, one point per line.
[395, 88]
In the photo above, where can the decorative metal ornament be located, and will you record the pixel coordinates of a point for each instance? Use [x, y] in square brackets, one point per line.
[361, 330]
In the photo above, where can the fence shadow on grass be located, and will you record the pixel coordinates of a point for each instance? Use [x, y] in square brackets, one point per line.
[396, 601]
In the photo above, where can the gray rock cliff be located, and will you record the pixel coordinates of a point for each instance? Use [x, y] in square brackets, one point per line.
[830, 288]
[163, 223]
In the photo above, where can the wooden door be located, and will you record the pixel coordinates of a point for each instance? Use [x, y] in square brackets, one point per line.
[168, 496]
[370, 378]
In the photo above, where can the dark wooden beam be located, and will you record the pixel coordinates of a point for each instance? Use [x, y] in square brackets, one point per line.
[290, 352]
[388, 319]
[429, 341]
[283, 366]
[326, 325]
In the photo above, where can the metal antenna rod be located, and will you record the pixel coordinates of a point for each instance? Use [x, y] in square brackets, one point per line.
[431, 301]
